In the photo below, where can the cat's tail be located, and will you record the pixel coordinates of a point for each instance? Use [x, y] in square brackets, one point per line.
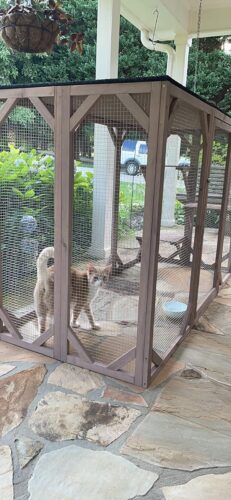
[44, 256]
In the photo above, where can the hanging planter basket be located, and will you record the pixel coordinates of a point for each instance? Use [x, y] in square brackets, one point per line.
[28, 32]
[38, 26]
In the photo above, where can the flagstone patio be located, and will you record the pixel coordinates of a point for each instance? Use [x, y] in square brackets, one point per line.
[69, 433]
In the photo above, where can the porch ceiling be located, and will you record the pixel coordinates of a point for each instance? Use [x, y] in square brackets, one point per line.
[179, 17]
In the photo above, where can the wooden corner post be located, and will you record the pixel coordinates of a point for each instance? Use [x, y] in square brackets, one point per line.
[6, 109]
[208, 129]
[221, 232]
[63, 218]
[157, 136]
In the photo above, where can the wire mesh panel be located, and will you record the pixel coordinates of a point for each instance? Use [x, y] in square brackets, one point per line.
[126, 247]
[27, 213]
[178, 218]
[226, 253]
[213, 213]
[223, 147]
[110, 151]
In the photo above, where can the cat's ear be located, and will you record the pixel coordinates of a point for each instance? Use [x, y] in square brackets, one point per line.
[91, 269]
[107, 272]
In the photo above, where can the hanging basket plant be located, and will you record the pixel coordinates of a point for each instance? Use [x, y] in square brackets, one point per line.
[36, 26]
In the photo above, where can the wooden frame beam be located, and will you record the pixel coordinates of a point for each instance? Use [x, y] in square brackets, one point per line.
[24, 93]
[46, 351]
[43, 111]
[7, 108]
[44, 337]
[165, 99]
[174, 105]
[121, 361]
[118, 139]
[208, 133]
[79, 115]
[157, 136]
[221, 231]
[7, 321]
[63, 219]
[156, 359]
[136, 111]
[100, 368]
[77, 344]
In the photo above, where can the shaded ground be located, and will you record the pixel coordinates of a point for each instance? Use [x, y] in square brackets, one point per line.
[116, 306]
[55, 418]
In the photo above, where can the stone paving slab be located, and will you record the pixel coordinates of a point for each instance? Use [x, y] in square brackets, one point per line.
[208, 487]
[224, 296]
[180, 281]
[169, 441]
[9, 352]
[75, 379]
[27, 449]
[224, 301]
[6, 474]
[123, 396]
[187, 428]
[5, 368]
[75, 473]
[171, 368]
[203, 325]
[16, 393]
[60, 417]
[200, 401]
[208, 352]
[219, 316]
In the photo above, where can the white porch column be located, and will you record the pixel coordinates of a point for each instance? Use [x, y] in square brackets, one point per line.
[180, 65]
[178, 71]
[107, 54]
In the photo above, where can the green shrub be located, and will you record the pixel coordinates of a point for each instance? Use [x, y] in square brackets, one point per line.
[179, 213]
[131, 209]
[82, 211]
[27, 189]
[219, 152]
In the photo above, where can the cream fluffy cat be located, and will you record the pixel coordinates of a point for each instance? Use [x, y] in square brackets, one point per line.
[84, 287]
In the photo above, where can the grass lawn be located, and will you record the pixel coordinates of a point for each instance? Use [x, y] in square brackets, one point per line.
[126, 193]
[131, 202]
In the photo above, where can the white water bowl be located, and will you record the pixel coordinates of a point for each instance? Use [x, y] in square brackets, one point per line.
[175, 310]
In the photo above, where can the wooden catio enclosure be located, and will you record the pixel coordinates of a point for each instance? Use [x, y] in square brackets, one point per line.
[166, 231]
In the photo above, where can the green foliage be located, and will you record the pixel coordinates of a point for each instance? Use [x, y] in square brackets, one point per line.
[23, 194]
[179, 213]
[27, 188]
[82, 211]
[134, 59]
[212, 219]
[214, 72]
[219, 152]
[9, 71]
[131, 209]
[60, 64]
[23, 116]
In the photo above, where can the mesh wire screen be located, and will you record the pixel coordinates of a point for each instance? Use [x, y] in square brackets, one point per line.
[226, 253]
[110, 151]
[27, 208]
[213, 211]
[222, 147]
[110, 158]
[179, 211]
